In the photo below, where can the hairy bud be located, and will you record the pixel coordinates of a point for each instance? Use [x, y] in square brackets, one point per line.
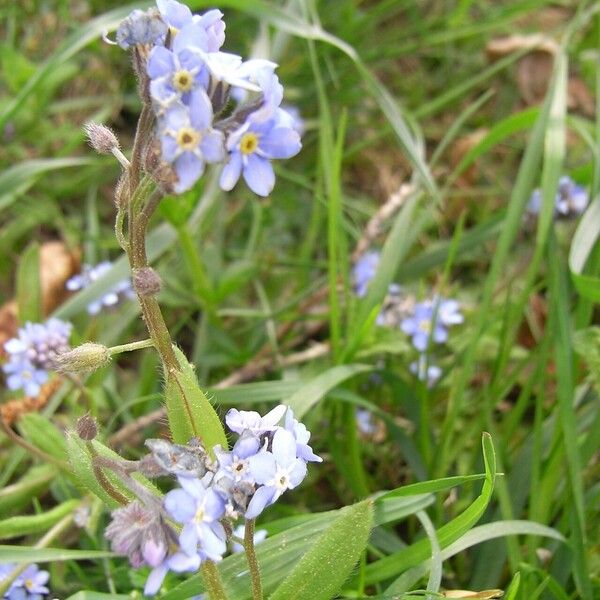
[84, 358]
[146, 281]
[101, 138]
[87, 429]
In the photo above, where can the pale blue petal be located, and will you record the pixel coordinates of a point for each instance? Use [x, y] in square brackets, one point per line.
[284, 447]
[259, 175]
[262, 466]
[155, 580]
[189, 169]
[160, 62]
[280, 142]
[212, 147]
[180, 505]
[262, 498]
[231, 172]
[188, 539]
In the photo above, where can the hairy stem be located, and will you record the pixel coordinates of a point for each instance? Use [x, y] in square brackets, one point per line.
[257, 593]
[212, 581]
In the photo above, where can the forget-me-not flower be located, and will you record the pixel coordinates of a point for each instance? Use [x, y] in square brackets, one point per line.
[364, 270]
[198, 508]
[189, 141]
[251, 149]
[426, 372]
[301, 435]
[276, 471]
[235, 464]
[122, 290]
[421, 326]
[248, 420]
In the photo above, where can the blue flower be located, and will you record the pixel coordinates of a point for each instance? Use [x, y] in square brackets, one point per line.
[32, 353]
[198, 508]
[301, 435]
[29, 585]
[420, 326]
[259, 536]
[248, 420]
[175, 14]
[364, 421]
[277, 471]
[251, 149]
[234, 464]
[448, 311]
[188, 140]
[426, 372]
[89, 274]
[178, 562]
[176, 74]
[364, 270]
[571, 199]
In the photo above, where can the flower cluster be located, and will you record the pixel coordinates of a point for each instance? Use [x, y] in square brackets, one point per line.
[117, 293]
[190, 81]
[570, 202]
[429, 323]
[32, 354]
[29, 585]
[267, 460]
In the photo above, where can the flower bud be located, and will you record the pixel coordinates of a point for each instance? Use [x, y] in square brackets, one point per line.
[87, 429]
[146, 281]
[84, 358]
[101, 138]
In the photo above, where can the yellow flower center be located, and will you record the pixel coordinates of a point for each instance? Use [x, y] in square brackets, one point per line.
[199, 516]
[425, 326]
[28, 583]
[249, 143]
[183, 80]
[187, 138]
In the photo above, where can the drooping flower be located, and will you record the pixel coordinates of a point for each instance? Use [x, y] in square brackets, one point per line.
[141, 27]
[116, 294]
[276, 471]
[251, 149]
[248, 420]
[259, 536]
[177, 562]
[198, 508]
[188, 140]
[301, 435]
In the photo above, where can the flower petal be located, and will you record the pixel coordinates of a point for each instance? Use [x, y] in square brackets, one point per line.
[231, 172]
[280, 142]
[261, 499]
[189, 169]
[160, 62]
[259, 175]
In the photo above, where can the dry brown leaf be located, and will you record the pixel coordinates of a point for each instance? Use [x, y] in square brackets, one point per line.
[534, 71]
[499, 47]
[579, 97]
[8, 324]
[57, 264]
[459, 149]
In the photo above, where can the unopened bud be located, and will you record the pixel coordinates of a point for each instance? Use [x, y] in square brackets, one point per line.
[146, 281]
[87, 429]
[101, 138]
[84, 358]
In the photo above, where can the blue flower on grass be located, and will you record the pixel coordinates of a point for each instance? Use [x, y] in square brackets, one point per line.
[176, 74]
[426, 372]
[252, 147]
[122, 290]
[571, 199]
[276, 471]
[29, 585]
[420, 326]
[301, 435]
[198, 508]
[364, 270]
[248, 420]
[235, 464]
[178, 562]
[188, 140]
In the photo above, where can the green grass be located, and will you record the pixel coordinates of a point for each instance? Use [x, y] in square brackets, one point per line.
[386, 89]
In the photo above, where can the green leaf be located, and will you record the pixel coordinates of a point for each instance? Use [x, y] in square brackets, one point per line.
[586, 342]
[429, 487]
[41, 432]
[26, 525]
[584, 241]
[392, 565]
[98, 596]
[513, 589]
[323, 569]
[308, 395]
[34, 482]
[189, 411]
[20, 554]
[29, 291]
[18, 179]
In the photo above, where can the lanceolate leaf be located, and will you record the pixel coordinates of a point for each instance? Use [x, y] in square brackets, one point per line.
[412, 555]
[23, 554]
[324, 568]
[189, 411]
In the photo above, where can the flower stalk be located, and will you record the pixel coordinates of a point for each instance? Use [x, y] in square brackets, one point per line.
[253, 565]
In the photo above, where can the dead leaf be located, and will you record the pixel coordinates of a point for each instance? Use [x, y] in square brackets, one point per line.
[534, 71]
[8, 324]
[499, 47]
[580, 98]
[57, 264]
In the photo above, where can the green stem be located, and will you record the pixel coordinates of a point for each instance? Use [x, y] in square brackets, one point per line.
[252, 560]
[212, 581]
[131, 346]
